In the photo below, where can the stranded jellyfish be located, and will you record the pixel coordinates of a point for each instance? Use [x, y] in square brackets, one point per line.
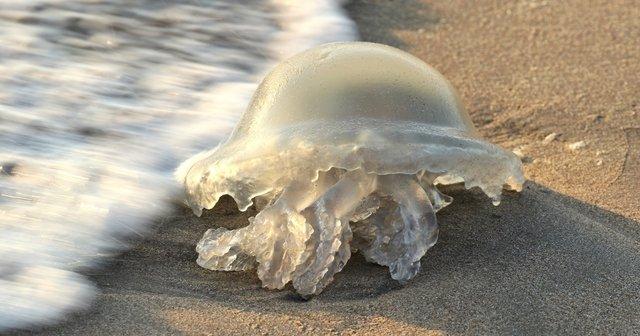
[340, 150]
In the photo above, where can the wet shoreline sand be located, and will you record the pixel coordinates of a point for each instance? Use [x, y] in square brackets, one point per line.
[562, 257]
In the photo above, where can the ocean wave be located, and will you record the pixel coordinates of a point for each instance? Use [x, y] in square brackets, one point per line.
[99, 102]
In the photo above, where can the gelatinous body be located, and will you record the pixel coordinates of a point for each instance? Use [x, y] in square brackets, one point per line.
[342, 145]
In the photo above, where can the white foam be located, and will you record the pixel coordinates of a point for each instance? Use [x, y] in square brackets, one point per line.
[99, 103]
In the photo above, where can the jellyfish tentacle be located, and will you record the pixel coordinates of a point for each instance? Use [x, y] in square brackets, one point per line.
[419, 230]
[275, 239]
[404, 230]
[329, 248]
[375, 236]
[340, 258]
[279, 247]
[221, 250]
[290, 231]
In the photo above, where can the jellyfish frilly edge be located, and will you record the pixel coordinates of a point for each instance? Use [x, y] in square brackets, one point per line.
[341, 149]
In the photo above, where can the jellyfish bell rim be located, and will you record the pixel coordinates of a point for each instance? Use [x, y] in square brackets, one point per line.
[241, 169]
[259, 156]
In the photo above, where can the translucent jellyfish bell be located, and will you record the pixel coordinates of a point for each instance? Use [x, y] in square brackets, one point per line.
[341, 146]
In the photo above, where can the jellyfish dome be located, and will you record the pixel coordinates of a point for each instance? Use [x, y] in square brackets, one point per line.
[341, 149]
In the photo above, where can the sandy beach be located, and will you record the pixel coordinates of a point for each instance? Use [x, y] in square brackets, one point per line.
[562, 257]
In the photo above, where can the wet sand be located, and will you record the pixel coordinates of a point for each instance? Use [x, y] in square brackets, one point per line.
[562, 257]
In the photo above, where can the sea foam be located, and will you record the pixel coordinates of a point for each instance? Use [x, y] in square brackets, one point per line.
[98, 104]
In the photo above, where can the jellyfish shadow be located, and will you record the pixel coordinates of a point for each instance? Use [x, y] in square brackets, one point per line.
[539, 263]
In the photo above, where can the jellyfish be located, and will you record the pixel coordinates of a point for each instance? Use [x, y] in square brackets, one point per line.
[340, 151]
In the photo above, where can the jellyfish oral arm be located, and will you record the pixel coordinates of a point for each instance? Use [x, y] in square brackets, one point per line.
[415, 223]
[329, 216]
[307, 241]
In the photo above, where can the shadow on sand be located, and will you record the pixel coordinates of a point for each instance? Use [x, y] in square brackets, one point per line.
[539, 263]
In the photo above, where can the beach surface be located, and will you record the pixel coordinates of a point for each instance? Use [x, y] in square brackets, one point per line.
[561, 257]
